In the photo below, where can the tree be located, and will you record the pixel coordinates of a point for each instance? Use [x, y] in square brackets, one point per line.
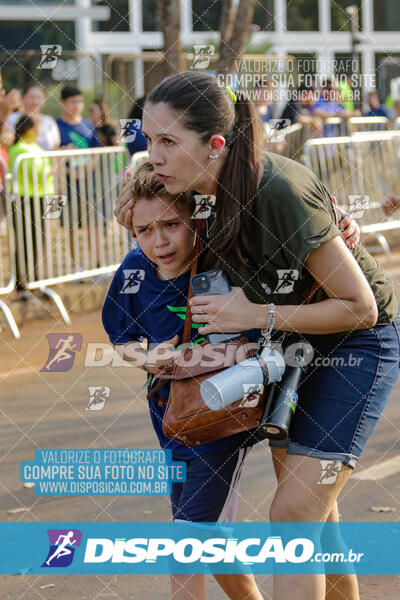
[170, 27]
[234, 30]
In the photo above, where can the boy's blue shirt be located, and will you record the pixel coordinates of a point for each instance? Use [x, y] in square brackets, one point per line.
[156, 311]
[81, 135]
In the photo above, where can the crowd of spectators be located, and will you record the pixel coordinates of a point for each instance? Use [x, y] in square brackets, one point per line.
[25, 128]
[311, 105]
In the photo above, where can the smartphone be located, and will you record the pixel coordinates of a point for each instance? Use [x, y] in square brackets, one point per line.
[210, 283]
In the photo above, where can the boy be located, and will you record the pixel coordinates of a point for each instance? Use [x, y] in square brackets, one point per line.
[79, 133]
[75, 130]
[147, 299]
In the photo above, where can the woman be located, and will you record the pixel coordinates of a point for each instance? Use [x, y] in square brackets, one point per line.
[99, 114]
[273, 216]
[33, 98]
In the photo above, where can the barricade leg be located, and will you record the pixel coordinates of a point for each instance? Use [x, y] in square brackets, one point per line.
[59, 303]
[10, 319]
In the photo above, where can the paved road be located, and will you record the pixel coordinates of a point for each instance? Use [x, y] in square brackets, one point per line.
[47, 410]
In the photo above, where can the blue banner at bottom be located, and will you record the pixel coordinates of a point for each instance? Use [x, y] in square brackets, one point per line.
[148, 548]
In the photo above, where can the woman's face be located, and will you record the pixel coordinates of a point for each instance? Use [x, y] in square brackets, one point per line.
[181, 160]
[33, 100]
[95, 113]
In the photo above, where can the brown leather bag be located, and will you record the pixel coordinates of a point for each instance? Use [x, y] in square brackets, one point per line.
[189, 421]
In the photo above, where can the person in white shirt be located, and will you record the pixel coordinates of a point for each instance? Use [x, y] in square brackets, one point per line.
[32, 101]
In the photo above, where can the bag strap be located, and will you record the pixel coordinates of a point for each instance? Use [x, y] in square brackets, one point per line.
[197, 247]
[188, 318]
[310, 295]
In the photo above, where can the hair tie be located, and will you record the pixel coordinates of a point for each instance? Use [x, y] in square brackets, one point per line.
[232, 94]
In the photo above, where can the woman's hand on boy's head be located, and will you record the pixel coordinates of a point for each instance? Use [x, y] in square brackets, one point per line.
[124, 204]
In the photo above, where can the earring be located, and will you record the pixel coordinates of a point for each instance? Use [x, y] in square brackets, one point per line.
[213, 155]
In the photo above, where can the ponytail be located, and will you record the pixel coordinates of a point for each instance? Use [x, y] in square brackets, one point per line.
[237, 189]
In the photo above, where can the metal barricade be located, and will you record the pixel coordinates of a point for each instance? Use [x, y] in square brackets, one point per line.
[331, 160]
[7, 247]
[295, 138]
[356, 124]
[378, 155]
[298, 134]
[63, 206]
[366, 165]
[334, 127]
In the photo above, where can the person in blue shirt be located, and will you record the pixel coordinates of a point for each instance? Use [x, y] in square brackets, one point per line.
[376, 109]
[147, 300]
[263, 95]
[329, 104]
[75, 131]
[137, 142]
[79, 133]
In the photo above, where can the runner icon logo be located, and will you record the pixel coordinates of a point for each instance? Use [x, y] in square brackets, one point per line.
[252, 394]
[204, 206]
[358, 205]
[287, 279]
[129, 129]
[62, 547]
[133, 279]
[62, 351]
[50, 54]
[330, 471]
[53, 206]
[202, 56]
[97, 397]
[278, 129]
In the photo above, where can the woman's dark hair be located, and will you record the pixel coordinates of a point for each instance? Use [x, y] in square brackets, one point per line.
[105, 111]
[137, 108]
[207, 109]
[24, 124]
[146, 185]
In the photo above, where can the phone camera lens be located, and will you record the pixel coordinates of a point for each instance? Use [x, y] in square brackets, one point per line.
[203, 283]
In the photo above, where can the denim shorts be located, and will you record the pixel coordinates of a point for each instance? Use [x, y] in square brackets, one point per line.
[343, 394]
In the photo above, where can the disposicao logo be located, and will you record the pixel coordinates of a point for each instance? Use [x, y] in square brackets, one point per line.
[191, 550]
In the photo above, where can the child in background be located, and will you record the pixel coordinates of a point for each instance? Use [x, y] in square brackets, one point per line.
[36, 183]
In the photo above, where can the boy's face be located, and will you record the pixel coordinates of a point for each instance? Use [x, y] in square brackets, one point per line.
[164, 232]
[73, 106]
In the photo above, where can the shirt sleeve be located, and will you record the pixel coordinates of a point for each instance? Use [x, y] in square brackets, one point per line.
[53, 134]
[297, 216]
[119, 312]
